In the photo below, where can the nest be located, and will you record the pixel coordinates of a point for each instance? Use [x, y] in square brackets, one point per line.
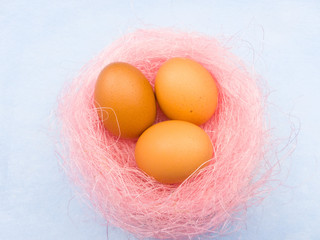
[212, 200]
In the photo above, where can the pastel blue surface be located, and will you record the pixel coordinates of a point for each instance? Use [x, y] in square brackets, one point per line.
[43, 44]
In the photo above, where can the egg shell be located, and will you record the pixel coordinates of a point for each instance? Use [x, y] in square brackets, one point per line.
[125, 100]
[171, 151]
[185, 90]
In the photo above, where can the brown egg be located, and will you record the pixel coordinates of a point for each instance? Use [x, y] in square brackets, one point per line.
[186, 91]
[170, 151]
[125, 100]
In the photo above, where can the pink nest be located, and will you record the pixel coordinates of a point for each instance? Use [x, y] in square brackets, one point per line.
[211, 201]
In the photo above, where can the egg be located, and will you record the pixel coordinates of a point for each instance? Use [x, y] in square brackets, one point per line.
[185, 90]
[124, 100]
[170, 151]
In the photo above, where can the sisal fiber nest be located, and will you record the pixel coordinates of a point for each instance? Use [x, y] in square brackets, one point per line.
[211, 201]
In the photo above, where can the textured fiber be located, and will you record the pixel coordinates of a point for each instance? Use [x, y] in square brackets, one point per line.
[213, 200]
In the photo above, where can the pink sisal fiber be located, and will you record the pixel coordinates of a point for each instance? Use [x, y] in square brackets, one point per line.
[212, 200]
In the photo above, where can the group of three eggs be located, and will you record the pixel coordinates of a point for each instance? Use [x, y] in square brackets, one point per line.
[187, 94]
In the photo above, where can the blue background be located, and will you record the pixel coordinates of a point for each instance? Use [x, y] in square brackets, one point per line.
[43, 44]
